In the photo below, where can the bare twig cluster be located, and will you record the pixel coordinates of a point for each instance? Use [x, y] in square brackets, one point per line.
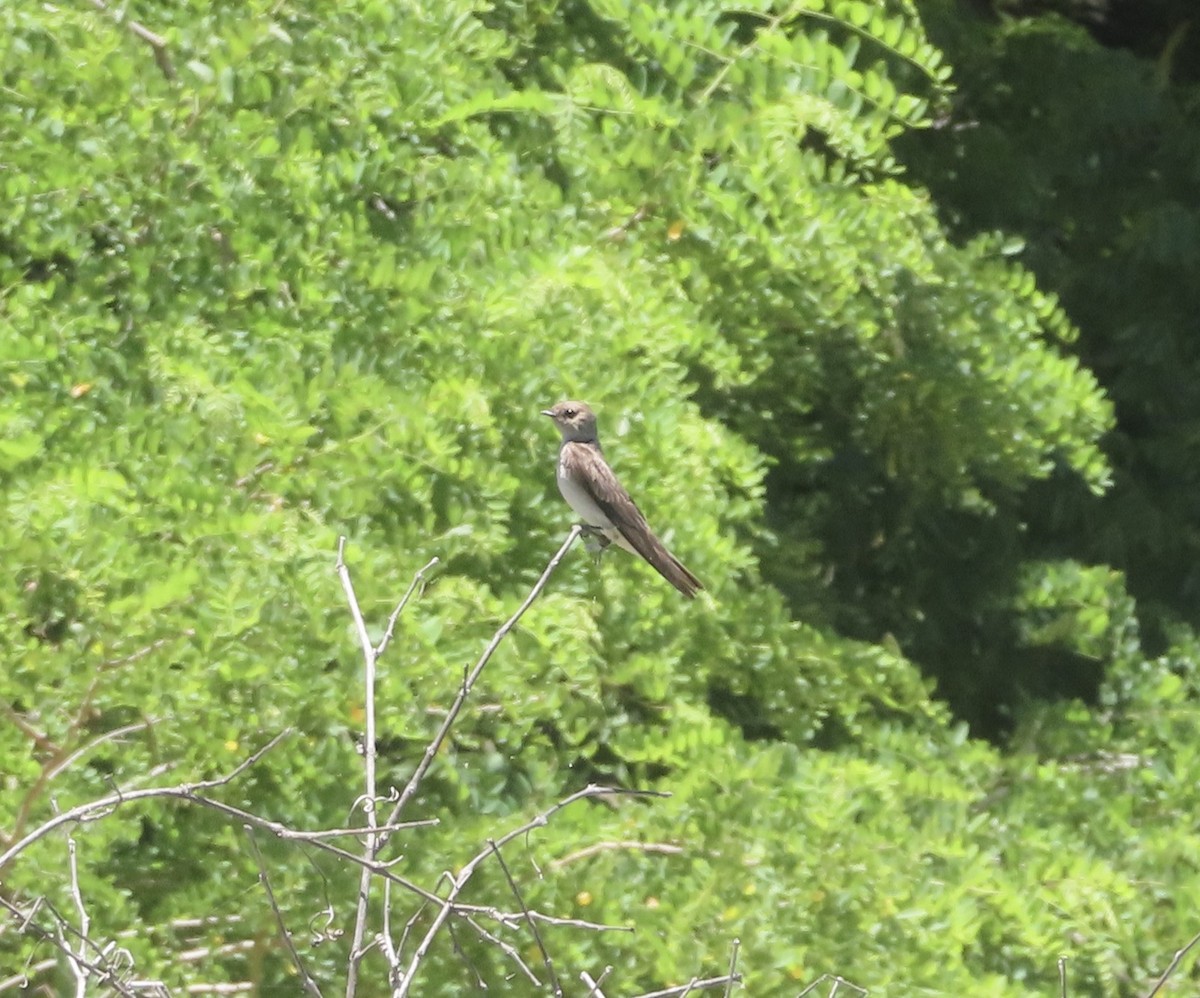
[405, 936]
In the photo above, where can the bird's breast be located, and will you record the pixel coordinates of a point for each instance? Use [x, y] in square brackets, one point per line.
[579, 499]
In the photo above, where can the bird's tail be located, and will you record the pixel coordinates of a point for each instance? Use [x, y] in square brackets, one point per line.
[675, 572]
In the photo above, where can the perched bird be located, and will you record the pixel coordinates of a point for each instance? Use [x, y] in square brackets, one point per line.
[592, 490]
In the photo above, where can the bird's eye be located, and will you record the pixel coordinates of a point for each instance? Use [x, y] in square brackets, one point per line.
[570, 412]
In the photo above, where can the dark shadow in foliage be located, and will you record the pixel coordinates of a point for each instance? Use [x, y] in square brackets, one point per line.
[1089, 154]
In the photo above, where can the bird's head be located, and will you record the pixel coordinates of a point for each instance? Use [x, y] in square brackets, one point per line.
[575, 421]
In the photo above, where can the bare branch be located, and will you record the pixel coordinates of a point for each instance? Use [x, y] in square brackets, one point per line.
[370, 847]
[77, 969]
[417, 580]
[593, 984]
[837, 983]
[695, 984]
[371, 655]
[464, 690]
[21, 981]
[598, 847]
[97, 808]
[513, 919]
[102, 968]
[155, 41]
[309, 984]
[1179, 955]
[555, 983]
[505, 948]
[468, 871]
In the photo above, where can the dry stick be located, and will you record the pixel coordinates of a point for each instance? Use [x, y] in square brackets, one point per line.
[418, 580]
[85, 923]
[22, 980]
[555, 983]
[464, 690]
[594, 984]
[315, 839]
[693, 985]
[505, 948]
[1062, 977]
[104, 806]
[598, 847]
[97, 808]
[104, 970]
[459, 882]
[1179, 955]
[370, 657]
[733, 955]
[376, 842]
[480, 983]
[305, 978]
[837, 983]
[511, 920]
[155, 41]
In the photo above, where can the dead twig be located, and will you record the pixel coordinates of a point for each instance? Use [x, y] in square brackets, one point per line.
[371, 655]
[156, 41]
[460, 881]
[305, 978]
[598, 847]
[1179, 955]
[464, 690]
[547, 962]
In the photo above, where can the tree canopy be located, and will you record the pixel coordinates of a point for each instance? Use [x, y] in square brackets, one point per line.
[860, 333]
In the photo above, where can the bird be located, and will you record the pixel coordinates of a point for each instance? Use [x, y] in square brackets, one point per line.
[591, 489]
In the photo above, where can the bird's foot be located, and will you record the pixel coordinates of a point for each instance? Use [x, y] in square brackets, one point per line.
[594, 540]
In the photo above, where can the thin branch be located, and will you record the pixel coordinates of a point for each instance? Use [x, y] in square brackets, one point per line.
[593, 984]
[1179, 955]
[85, 923]
[24, 979]
[468, 871]
[505, 948]
[732, 975]
[372, 844]
[598, 847]
[417, 580]
[837, 983]
[106, 973]
[156, 41]
[513, 919]
[337, 833]
[305, 978]
[464, 690]
[555, 983]
[94, 809]
[108, 736]
[692, 985]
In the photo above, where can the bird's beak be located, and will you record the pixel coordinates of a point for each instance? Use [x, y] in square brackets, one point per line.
[548, 412]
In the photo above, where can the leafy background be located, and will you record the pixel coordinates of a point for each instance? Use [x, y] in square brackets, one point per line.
[898, 357]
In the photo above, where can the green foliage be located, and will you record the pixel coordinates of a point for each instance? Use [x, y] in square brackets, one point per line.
[318, 279]
[1089, 154]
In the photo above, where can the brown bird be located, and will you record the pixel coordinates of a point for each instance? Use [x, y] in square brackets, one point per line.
[592, 490]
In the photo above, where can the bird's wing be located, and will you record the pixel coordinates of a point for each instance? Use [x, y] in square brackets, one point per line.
[586, 464]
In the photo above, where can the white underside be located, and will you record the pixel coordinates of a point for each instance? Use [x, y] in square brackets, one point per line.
[587, 510]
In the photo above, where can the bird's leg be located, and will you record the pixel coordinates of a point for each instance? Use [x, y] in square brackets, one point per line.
[594, 540]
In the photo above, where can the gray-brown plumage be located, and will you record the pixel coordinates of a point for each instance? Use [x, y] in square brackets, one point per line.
[592, 490]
